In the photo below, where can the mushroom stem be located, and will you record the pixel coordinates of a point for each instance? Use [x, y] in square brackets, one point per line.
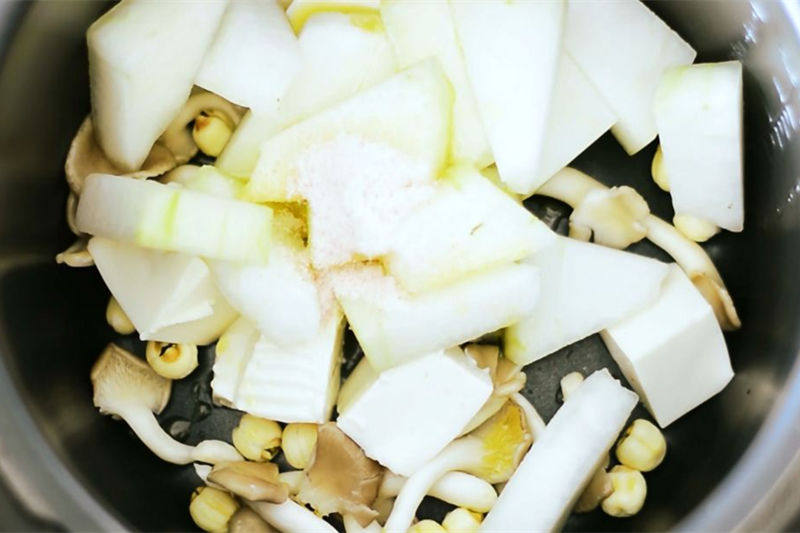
[570, 186]
[535, 423]
[456, 488]
[290, 517]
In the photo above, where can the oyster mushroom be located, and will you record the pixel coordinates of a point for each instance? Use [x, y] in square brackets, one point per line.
[341, 478]
[625, 219]
[251, 481]
[77, 255]
[247, 521]
[126, 386]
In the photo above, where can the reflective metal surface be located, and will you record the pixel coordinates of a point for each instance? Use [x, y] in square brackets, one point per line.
[85, 471]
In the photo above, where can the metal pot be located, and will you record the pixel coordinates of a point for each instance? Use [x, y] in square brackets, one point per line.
[732, 462]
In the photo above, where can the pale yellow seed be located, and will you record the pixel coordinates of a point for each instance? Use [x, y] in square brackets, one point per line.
[172, 361]
[211, 509]
[211, 133]
[258, 439]
[299, 442]
[117, 318]
[570, 383]
[629, 490]
[462, 520]
[643, 446]
[426, 526]
[658, 172]
[694, 228]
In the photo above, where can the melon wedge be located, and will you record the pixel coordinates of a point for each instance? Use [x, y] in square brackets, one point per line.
[300, 11]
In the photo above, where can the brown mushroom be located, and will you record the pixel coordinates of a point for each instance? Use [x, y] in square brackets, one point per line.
[341, 478]
[252, 481]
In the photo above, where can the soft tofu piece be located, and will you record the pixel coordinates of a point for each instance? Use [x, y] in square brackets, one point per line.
[232, 352]
[419, 30]
[698, 111]
[254, 56]
[511, 50]
[170, 218]
[578, 117]
[585, 288]
[393, 326]
[468, 226]
[409, 413]
[673, 352]
[410, 112]
[143, 58]
[340, 57]
[541, 493]
[624, 48]
[169, 297]
[297, 383]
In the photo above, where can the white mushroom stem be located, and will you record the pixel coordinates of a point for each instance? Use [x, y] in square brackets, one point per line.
[464, 453]
[535, 423]
[572, 187]
[456, 488]
[290, 517]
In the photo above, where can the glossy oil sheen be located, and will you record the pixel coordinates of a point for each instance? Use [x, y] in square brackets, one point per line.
[90, 472]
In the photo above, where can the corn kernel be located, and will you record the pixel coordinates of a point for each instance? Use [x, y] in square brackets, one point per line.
[642, 447]
[462, 520]
[570, 384]
[299, 442]
[258, 439]
[211, 509]
[694, 228]
[426, 526]
[117, 318]
[172, 361]
[211, 133]
[629, 490]
[658, 172]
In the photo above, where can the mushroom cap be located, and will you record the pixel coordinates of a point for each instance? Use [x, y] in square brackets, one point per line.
[122, 380]
[341, 478]
[252, 481]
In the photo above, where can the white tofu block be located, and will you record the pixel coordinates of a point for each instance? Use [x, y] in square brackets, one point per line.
[254, 56]
[419, 30]
[169, 297]
[468, 226]
[673, 352]
[511, 51]
[550, 478]
[698, 111]
[143, 58]
[294, 384]
[585, 288]
[624, 48]
[393, 326]
[232, 352]
[409, 413]
[578, 117]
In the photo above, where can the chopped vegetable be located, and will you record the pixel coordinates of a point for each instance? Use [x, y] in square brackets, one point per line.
[212, 509]
[642, 447]
[258, 439]
[300, 11]
[172, 361]
[629, 490]
[233, 351]
[298, 443]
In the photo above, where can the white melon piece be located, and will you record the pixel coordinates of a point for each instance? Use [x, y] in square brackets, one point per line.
[206, 179]
[253, 57]
[410, 112]
[578, 117]
[143, 58]
[624, 48]
[541, 493]
[698, 111]
[232, 352]
[300, 11]
[585, 288]
[393, 326]
[409, 413]
[169, 297]
[297, 383]
[171, 218]
[673, 352]
[340, 57]
[511, 50]
[420, 30]
[468, 226]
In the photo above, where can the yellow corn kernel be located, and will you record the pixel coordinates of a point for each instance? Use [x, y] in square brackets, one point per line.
[629, 490]
[570, 384]
[462, 520]
[299, 442]
[426, 526]
[658, 172]
[211, 509]
[694, 228]
[211, 133]
[117, 318]
[258, 439]
[172, 361]
[642, 447]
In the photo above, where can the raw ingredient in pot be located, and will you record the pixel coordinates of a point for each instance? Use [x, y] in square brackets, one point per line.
[372, 158]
